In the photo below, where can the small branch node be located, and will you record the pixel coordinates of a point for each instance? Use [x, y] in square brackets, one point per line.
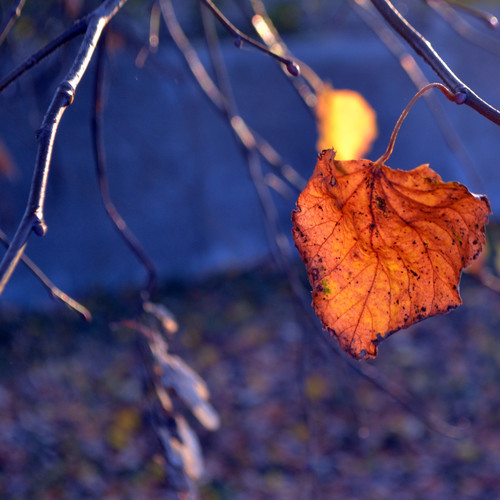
[461, 95]
[448, 94]
[238, 41]
[67, 89]
[424, 49]
[293, 68]
[39, 227]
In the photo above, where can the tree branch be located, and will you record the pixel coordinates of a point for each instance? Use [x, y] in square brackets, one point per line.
[101, 170]
[310, 84]
[52, 289]
[33, 219]
[488, 19]
[12, 16]
[463, 94]
[238, 36]
[77, 29]
[367, 13]
[277, 241]
[217, 99]
[464, 28]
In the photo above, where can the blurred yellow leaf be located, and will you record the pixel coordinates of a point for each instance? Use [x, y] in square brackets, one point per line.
[125, 423]
[346, 122]
[315, 387]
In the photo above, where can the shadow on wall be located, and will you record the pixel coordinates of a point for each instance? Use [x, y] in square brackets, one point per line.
[175, 172]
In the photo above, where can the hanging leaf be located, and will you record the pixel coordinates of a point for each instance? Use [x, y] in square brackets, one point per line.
[346, 121]
[384, 248]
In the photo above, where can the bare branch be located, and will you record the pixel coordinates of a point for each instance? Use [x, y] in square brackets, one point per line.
[249, 141]
[76, 30]
[463, 94]
[489, 19]
[277, 241]
[244, 133]
[154, 36]
[265, 28]
[53, 290]
[367, 13]
[240, 37]
[33, 219]
[406, 401]
[101, 170]
[12, 16]
[465, 29]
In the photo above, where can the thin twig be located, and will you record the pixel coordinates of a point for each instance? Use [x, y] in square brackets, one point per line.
[52, 290]
[77, 29]
[221, 76]
[101, 170]
[463, 94]
[463, 28]
[239, 37]
[366, 11]
[433, 422]
[154, 36]
[10, 19]
[489, 19]
[216, 98]
[248, 143]
[298, 291]
[487, 279]
[366, 372]
[264, 26]
[309, 83]
[33, 219]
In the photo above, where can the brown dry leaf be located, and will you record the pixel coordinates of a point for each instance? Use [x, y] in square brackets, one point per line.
[346, 121]
[384, 248]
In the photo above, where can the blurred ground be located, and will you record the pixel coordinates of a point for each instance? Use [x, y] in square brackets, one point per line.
[297, 421]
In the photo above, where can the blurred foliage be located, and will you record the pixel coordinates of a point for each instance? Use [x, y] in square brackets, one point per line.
[296, 421]
[286, 16]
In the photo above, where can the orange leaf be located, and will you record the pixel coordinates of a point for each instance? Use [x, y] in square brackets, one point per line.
[384, 248]
[346, 122]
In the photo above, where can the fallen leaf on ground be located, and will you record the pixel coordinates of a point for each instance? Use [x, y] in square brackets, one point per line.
[384, 248]
[346, 121]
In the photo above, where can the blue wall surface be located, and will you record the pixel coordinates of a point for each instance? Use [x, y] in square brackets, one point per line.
[175, 172]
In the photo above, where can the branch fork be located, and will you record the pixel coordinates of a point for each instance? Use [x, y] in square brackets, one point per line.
[33, 219]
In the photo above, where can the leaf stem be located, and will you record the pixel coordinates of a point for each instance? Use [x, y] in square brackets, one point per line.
[449, 95]
[425, 50]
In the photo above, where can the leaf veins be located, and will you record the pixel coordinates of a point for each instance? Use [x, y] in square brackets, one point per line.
[384, 248]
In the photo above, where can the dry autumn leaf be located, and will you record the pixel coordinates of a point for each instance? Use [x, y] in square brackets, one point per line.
[346, 121]
[384, 248]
